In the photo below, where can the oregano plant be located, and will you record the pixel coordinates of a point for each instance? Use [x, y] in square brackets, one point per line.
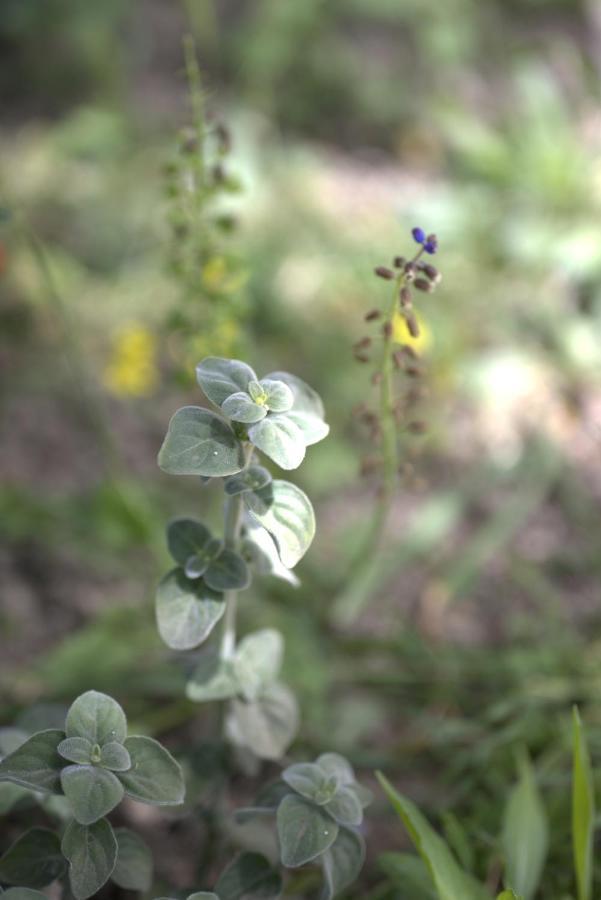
[92, 763]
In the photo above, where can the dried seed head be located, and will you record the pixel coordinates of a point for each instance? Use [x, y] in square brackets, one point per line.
[413, 371]
[405, 296]
[398, 262]
[412, 323]
[384, 272]
[397, 359]
[432, 273]
[417, 427]
[372, 314]
[387, 329]
[422, 284]
[409, 351]
[224, 139]
[361, 344]
[362, 357]
[409, 269]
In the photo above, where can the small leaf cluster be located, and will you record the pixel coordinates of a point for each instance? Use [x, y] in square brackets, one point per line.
[318, 808]
[93, 764]
[280, 415]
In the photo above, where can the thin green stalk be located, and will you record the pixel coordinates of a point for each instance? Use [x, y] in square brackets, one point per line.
[362, 572]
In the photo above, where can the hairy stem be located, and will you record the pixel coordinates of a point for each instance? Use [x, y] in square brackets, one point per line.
[232, 522]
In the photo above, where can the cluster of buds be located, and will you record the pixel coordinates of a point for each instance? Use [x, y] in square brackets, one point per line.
[408, 276]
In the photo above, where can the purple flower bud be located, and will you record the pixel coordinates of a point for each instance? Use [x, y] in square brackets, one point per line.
[419, 235]
[430, 246]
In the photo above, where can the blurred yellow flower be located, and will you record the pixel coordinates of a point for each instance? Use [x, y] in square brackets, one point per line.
[400, 333]
[218, 276]
[132, 369]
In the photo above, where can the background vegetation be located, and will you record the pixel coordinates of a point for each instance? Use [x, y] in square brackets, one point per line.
[352, 121]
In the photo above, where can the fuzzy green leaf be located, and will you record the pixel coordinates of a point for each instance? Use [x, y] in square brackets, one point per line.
[186, 610]
[36, 763]
[342, 862]
[249, 877]
[34, 860]
[311, 428]
[345, 807]
[198, 442]
[227, 572]
[266, 726]
[257, 661]
[92, 792]
[220, 378]
[155, 777]
[278, 395]
[280, 439]
[92, 854]
[252, 479]
[213, 679]
[310, 781]
[583, 810]
[336, 765]
[305, 831]
[114, 756]
[241, 408]
[76, 750]
[525, 835]
[22, 893]
[286, 512]
[262, 553]
[450, 881]
[305, 398]
[96, 717]
[133, 869]
[186, 538]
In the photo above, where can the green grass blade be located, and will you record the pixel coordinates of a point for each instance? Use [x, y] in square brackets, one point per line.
[525, 835]
[583, 810]
[450, 881]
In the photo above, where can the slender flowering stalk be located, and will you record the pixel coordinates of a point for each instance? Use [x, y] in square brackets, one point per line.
[384, 424]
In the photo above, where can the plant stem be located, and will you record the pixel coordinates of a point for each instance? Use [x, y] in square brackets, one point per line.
[352, 599]
[232, 521]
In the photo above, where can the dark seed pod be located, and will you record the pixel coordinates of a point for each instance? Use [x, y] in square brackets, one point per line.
[362, 357]
[432, 272]
[224, 139]
[398, 262]
[412, 324]
[423, 285]
[361, 344]
[405, 296]
[409, 270]
[387, 329]
[413, 371]
[409, 351]
[372, 314]
[384, 272]
[397, 359]
[417, 427]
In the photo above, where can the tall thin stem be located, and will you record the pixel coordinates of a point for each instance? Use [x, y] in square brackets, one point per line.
[232, 522]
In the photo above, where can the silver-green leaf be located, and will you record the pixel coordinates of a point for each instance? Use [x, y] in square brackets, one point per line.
[92, 854]
[241, 408]
[249, 877]
[345, 807]
[185, 538]
[34, 860]
[252, 479]
[198, 442]
[227, 572]
[76, 750]
[280, 439]
[305, 831]
[133, 869]
[186, 610]
[114, 756]
[257, 661]
[286, 512]
[342, 862]
[92, 792]
[36, 763]
[267, 725]
[96, 717]
[155, 777]
[220, 378]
